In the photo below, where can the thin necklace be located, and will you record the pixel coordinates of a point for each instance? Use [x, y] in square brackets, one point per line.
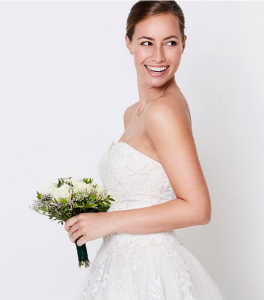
[152, 100]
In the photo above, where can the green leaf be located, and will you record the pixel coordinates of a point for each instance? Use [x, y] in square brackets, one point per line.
[63, 200]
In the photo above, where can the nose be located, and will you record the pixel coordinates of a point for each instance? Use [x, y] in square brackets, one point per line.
[158, 54]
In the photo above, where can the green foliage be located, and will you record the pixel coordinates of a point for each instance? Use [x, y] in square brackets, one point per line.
[63, 200]
[88, 181]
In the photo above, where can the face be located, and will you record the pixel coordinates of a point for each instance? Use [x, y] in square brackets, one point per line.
[151, 49]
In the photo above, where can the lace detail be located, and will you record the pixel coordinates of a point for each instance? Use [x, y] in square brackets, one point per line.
[133, 179]
[182, 270]
[99, 283]
[156, 290]
[130, 250]
[131, 253]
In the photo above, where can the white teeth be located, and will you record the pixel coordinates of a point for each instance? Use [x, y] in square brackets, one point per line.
[157, 69]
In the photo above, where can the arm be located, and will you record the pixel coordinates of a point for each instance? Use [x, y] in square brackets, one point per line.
[175, 146]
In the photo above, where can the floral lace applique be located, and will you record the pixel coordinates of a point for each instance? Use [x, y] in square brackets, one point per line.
[129, 249]
[99, 283]
[182, 270]
[156, 290]
[131, 253]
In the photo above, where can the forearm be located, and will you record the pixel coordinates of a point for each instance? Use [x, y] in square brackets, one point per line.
[173, 214]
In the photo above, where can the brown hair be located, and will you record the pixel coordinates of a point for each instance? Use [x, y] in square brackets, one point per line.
[144, 9]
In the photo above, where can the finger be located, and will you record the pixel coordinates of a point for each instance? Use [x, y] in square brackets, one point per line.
[81, 241]
[74, 237]
[70, 222]
[75, 228]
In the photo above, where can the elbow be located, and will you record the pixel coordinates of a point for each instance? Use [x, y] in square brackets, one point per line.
[205, 217]
[205, 212]
[202, 213]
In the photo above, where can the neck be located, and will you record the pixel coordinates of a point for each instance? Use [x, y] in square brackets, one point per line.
[147, 93]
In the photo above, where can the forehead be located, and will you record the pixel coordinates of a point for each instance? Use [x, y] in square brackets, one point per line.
[158, 26]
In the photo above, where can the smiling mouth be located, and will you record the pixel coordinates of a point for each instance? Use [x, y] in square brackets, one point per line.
[156, 69]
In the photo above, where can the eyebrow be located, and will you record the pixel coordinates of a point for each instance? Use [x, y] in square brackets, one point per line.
[150, 38]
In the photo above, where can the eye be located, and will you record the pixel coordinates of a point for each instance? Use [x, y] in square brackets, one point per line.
[145, 42]
[173, 42]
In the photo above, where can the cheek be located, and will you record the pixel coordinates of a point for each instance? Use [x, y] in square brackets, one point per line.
[174, 56]
[139, 59]
[141, 53]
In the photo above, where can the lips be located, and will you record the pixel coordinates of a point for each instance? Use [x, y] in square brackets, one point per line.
[156, 73]
[157, 66]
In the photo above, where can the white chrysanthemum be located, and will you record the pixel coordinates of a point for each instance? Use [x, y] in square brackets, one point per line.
[100, 189]
[49, 189]
[80, 187]
[62, 192]
[75, 181]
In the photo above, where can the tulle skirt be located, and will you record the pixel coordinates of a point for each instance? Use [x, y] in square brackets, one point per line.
[152, 266]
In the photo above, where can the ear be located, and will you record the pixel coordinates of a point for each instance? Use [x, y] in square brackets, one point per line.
[128, 44]
[183, 44]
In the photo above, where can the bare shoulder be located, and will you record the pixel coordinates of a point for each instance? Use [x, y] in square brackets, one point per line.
[172, 106]
[129, 112]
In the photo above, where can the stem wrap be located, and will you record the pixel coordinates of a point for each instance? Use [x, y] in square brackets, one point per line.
[82, 255]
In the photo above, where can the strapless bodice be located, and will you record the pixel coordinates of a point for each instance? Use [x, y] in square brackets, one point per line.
[133, 179]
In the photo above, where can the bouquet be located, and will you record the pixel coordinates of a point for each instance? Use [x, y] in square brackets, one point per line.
[70, 197]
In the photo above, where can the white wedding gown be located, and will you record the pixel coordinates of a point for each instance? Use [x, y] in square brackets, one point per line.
[152, 266]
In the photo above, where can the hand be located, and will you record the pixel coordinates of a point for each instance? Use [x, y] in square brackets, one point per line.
[90, 226]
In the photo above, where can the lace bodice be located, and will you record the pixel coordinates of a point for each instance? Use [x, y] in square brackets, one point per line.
[133, 179]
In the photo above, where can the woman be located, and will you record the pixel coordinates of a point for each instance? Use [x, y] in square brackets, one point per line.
[155, 159]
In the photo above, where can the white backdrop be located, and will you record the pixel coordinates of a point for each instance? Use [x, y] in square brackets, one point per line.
[66, 79]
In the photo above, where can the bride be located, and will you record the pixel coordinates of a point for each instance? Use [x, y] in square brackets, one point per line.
[154, 174]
